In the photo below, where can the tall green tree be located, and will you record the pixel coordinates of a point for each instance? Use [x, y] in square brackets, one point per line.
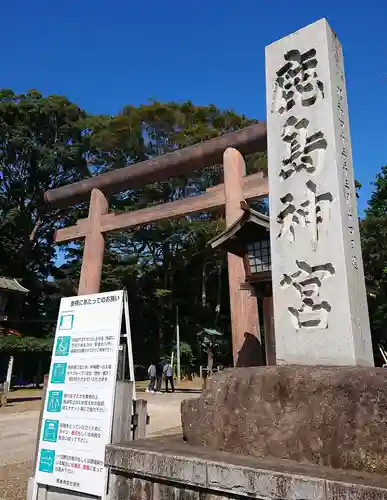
[374, 236]
[42, 146]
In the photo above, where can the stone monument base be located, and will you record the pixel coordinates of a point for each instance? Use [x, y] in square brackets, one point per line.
[168, 468]
[328, 416]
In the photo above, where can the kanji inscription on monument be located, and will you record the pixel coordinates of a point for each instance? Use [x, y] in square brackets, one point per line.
[320, 307]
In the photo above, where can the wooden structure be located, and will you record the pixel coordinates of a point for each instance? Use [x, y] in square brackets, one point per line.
[10, 292]
[244, 313]
[210, 339]
[248, 140]
[249, 239]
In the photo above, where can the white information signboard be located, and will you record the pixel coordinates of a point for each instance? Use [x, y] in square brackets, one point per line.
[78, 413]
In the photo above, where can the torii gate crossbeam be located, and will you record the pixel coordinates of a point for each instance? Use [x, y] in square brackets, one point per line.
[225, 149]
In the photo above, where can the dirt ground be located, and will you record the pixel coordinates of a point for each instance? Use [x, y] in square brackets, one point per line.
[19, 423]
[18, 430]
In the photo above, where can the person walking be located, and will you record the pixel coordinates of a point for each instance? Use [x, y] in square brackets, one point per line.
[168, 373]
[159, 376]
[152, 378]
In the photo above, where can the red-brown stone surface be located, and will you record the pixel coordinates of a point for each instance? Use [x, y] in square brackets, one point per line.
[331, 416]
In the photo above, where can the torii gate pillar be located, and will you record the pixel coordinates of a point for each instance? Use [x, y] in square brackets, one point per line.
[243, 305]
[90, 279]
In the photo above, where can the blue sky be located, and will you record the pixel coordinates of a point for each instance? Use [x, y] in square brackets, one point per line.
[105, 54]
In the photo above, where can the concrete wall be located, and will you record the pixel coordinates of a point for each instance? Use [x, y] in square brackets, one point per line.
[168, 468]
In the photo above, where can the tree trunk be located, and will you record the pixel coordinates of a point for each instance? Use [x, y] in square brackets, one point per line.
[39, 371]
[210, 360]
[219, 292]
[204, 281]
[162, 302]
[161, 327]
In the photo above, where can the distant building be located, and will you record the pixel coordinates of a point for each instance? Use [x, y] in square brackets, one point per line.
[11, 292]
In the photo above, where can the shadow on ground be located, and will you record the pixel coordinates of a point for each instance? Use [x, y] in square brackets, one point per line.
[23, 399]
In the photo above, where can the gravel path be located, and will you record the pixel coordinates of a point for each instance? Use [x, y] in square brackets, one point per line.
[17, 445]
[18, 429]
[18, 436]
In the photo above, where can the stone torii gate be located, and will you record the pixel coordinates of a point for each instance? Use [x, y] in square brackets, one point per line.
[237, 187]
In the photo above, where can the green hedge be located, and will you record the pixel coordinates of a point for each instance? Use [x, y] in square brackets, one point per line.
[12, 344]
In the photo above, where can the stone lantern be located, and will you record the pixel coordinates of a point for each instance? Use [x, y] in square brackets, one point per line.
[249, 238]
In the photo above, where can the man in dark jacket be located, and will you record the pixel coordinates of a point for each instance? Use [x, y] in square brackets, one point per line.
[159, 376]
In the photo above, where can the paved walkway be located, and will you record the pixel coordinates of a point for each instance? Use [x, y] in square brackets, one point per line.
[164, 412]
[18, 438]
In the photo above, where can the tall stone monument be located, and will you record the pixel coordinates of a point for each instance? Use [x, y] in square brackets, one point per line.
[320, 307]
[289, 431]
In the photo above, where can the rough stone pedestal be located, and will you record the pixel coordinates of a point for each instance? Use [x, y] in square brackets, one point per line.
[3, 394]
[329, 416]
[3, 398]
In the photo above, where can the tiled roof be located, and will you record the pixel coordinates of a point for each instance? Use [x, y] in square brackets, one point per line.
[210, 331]
[12, 285]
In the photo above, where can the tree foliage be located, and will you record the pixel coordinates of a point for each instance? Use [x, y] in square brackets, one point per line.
[16, 345]
[41, 147]
[374, 236]
[47, 142]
